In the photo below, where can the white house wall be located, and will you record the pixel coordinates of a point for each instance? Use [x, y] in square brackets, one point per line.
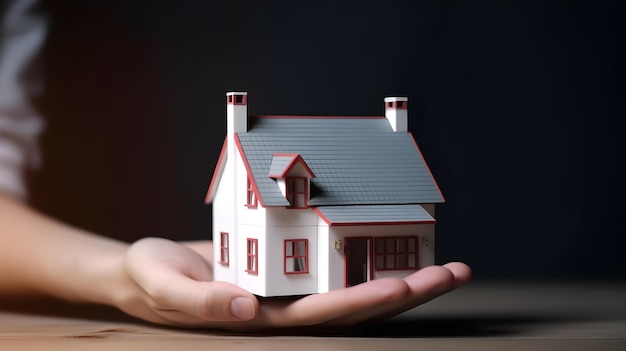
[248, 216]
[285, 224]
[224, 221]
[325, 253]
[250, 224]
[254, 283]
[332, 264]
[288, 217]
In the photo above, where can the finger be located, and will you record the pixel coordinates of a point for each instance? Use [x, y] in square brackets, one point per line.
[462, 273]
[206, 301]
[440, 280]
[424, 285]
[193, 302]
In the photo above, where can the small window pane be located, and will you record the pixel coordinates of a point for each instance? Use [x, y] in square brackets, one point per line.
[380, 261]
[299, 185]
[402, 261]
[401, 245]
[390, 261]
[380, 246]
[299, 264]
[290, 264]
[391, 245]
[412, 243]
[300, 248]
[412, 262]
[299, 201]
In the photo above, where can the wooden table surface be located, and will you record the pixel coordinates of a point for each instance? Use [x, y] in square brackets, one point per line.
[480, 316]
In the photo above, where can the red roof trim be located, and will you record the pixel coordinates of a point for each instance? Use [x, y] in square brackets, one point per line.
[322, 216]
[330, 223]
[297, 158]
[326, 117]
[217, 173]
[427, 221]
[247, 165]
[426, 164]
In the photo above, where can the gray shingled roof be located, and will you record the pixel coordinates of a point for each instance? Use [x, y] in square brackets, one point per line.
[279, 163]
[357, 161]
[338, 215]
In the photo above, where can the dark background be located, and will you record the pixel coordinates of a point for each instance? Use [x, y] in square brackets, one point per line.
[518, 110]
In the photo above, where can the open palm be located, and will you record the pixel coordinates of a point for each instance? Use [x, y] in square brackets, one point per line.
[177, 288]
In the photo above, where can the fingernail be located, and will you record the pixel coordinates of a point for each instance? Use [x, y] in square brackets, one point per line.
[242, 307]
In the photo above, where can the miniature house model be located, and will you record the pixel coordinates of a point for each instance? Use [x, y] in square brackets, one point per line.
[309, 204]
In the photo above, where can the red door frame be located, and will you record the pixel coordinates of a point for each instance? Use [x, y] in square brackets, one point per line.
[370, 241]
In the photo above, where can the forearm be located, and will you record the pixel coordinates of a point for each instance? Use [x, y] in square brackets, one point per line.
[42, 256]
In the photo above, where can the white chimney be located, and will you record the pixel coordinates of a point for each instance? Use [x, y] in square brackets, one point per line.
[236, 112]
[396, 113]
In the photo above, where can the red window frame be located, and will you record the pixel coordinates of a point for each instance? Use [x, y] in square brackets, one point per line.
[293, 257]
[224, 249]
[395, 253]
[251, 199]
[252, 262]
[297, 198]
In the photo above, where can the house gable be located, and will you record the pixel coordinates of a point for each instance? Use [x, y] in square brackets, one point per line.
[285, 164]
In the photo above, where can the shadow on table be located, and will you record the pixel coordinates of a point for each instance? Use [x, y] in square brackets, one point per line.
[435, 327]
[497, 325]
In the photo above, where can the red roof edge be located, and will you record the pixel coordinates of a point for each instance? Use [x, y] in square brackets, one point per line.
[321, 215]
[328, 117]
[427, 168]
[297, 158]
[217, 173]
[426, 221]
[255, 188]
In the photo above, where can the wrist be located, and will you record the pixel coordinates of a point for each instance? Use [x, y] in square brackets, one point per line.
[93, 273]
[107, 280]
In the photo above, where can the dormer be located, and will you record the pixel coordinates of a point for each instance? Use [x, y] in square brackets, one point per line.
[293, 176]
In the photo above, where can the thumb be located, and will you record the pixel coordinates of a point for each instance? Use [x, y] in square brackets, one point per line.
[218, 301]
[182, 299]
[175, 282]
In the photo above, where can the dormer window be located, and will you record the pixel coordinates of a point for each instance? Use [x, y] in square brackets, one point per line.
[292, 175]
[297, 192]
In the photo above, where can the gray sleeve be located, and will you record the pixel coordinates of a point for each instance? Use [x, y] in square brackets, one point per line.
[22, 33]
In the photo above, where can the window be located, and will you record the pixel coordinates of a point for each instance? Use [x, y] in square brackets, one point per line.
[296, 256]
[297, 192]
[251, 200]
[396, 253]
[253, 256]
[224, 244]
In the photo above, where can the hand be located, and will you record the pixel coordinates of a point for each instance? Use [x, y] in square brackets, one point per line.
[175, 287]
